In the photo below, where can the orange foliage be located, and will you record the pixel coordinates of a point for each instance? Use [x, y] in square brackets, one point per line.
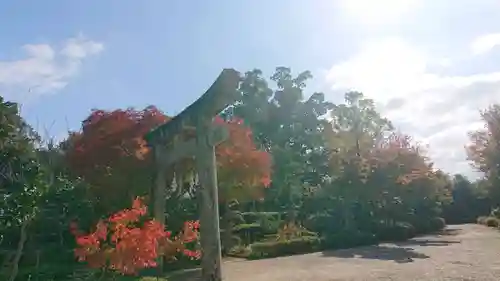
[110, 152]
[397, 155]
[241, 165]
[122, 244]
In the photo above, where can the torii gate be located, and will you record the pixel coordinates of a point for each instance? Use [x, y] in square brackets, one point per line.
[169, 148]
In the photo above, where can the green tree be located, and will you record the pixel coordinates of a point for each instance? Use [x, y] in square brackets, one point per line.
[468, 201]
[21, 180]
[290, 127]
[355, 129]
[484, 150]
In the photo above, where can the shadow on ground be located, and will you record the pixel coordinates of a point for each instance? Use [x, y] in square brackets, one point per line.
[449, 232]
[380, 252]
[426, 243]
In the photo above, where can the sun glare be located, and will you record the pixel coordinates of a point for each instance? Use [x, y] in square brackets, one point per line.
[378, 11]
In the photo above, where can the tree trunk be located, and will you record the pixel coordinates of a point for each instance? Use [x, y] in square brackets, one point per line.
[19, 252]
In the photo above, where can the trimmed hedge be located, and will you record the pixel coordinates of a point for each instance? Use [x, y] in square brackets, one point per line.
[372, 234]
[257, 225]
[295, 246]
[399, 231]
[348, 239]
[437, 223]
[489, 221]
[247, 227]
[251, 217]
[249, 232]
[492, 222]
[432, 224]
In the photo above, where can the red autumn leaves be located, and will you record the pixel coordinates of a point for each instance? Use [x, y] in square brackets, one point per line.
[111, 154]
[393, 157]
[126, 243]
[242, 168]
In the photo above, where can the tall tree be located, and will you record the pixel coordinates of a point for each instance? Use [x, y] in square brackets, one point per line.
[289, 127]
[357, 123]
[111, 155]
[354, 131]
[484, 150]
[21, 180]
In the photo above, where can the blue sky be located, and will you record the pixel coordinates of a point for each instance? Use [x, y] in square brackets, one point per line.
[430, 65]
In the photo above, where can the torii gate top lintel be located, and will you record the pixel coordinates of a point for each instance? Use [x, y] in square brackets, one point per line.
[221, 94]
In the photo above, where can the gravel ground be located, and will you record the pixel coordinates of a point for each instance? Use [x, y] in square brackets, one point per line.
[462, 252]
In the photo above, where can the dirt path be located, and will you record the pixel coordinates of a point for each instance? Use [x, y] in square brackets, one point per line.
[464, 252]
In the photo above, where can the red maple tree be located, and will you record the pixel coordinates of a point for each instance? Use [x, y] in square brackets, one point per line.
[110, 153]
[243, 169]
[127, 243]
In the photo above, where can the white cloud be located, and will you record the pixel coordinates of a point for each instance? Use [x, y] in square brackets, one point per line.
[484, 44]
[436, 109]
[45, 68]
[79, 48]
[378, 12]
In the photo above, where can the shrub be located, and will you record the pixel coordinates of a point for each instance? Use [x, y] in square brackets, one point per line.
[284, 248]
[258, 224]
[437, 223]
[482, 220]
[292, 230]
[251, 217]
[270, 224]
[120, 243]
[421, 227]
[247, 227]
[432, 224]
[249, 232]
[323, 223]
[349, 238]
[240, 252]
[492, 222]
[396, 232]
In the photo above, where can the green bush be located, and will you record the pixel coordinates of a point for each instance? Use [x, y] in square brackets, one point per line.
[437, 223]
[247, 227]
[251, 217]
[322, 223]
[349, 238]
[482, 220]
[308, 233]
[427, 225]
[249, 232]
[239, 252]
[271, 249]
[492, 222]
[489, 221]
[269, 223]
[399, 231]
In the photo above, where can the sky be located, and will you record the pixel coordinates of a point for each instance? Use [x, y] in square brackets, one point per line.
[429, 65]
